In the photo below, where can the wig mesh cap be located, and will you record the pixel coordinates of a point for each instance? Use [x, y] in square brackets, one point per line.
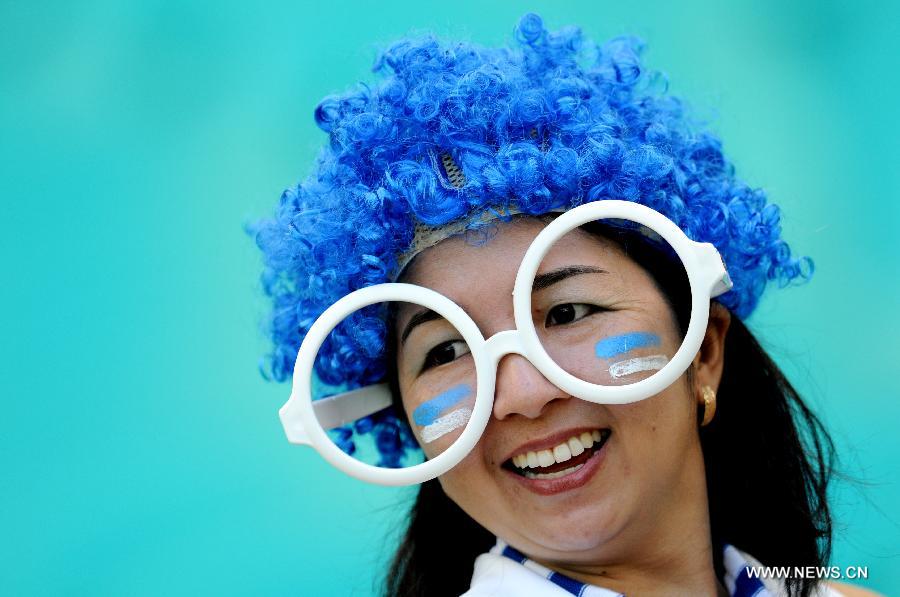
[425, 236]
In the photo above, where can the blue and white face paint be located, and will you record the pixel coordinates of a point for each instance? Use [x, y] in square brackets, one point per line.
[638, 364]
[433, 424]
[613, 347]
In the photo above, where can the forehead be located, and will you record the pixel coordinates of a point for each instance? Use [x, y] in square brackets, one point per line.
[478, 276]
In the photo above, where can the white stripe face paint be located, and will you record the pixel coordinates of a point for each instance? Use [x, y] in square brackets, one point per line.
[445, 424]
[627, 367]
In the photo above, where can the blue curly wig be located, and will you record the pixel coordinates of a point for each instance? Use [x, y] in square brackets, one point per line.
[551, 123]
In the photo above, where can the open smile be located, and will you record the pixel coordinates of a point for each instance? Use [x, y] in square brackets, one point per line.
[564, 466]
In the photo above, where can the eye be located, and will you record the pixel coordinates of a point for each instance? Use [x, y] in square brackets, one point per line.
[444, 353]
[569, 312]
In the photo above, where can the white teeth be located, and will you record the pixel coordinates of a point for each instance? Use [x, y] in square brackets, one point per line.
[574, 446]
[562, 452]
[586, 439]
[545, 458]
[561, 473]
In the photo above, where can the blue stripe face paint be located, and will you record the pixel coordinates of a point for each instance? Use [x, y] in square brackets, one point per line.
[616, 345]
[427, 412]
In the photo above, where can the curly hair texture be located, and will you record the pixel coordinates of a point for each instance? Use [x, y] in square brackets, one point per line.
[551, 123]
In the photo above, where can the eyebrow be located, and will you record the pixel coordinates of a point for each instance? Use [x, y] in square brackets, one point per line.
[418, 319]
[542, 281]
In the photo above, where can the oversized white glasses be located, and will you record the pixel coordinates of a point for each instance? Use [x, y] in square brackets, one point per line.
[632, 360]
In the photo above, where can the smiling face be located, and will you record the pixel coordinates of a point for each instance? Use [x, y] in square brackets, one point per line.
[562, 479]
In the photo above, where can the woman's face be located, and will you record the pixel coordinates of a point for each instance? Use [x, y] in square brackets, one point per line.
[593, 300]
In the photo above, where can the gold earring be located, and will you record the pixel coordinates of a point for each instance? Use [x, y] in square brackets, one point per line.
[709, 405]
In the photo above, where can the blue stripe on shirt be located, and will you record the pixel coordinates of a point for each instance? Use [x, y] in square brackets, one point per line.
[514, 554]
[561, 580]
[746, 586]
[569, 584]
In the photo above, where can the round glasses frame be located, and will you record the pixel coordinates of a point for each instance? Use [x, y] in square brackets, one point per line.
[303, 418]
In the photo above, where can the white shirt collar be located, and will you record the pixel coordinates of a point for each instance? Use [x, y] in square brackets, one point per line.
[505, 571]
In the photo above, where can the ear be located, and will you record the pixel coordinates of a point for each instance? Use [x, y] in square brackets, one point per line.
[710, 359]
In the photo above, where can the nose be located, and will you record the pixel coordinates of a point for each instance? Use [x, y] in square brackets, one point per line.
[521, 389]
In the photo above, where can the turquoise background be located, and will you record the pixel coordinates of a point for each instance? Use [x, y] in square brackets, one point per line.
[141, 452]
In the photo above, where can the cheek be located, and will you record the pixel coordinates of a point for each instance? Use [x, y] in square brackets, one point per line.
[466, 484]
[658, 433]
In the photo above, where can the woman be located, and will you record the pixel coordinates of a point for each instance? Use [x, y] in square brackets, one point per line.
[443, 176]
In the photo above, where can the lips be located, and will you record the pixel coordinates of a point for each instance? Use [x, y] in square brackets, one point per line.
[559, 462]
[569, 448]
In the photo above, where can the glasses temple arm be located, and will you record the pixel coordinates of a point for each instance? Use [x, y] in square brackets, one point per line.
[341, 409]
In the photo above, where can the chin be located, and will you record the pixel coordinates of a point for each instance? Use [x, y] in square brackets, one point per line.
[584, 530]
[560, 534]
